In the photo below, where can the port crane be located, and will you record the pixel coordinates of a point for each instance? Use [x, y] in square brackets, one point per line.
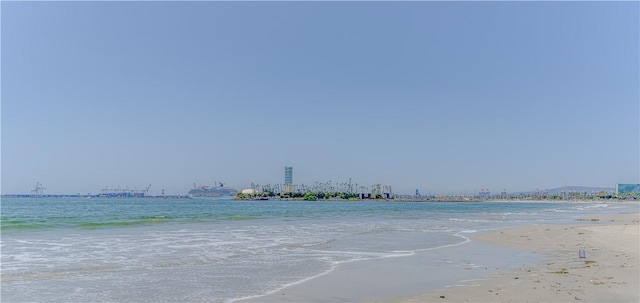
[146, 190]
[38, 190]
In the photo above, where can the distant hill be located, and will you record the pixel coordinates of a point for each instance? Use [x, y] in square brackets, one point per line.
[572, 189]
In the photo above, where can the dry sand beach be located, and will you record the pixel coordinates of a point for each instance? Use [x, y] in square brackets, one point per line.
[609, 272]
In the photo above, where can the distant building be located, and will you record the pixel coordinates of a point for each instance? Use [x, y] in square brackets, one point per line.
[288, 175]
[249, 191]
[627, 188]
[288, 178]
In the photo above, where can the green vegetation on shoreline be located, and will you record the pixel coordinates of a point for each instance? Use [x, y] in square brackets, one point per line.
[319, 196]
[308, 196]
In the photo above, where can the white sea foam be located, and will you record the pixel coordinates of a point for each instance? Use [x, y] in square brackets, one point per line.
[473, 220]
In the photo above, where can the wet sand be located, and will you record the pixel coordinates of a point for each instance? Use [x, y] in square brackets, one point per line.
[609, 271]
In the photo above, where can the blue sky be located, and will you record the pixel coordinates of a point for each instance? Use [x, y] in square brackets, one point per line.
[444, 97]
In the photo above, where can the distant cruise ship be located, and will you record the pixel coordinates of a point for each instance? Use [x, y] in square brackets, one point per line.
[216, 191]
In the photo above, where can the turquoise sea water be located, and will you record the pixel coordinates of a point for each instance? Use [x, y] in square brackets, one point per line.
[150, 250]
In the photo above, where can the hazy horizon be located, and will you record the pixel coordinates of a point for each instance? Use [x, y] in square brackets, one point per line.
[445, 97]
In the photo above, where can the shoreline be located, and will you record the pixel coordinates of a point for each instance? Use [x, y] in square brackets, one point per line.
[383, 279]
[538, 263]
[400, 200]
[550, 201]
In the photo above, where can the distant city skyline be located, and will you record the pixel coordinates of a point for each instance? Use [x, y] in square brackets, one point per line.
[444, 97]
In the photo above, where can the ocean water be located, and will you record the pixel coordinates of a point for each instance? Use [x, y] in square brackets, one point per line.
[164, 250]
